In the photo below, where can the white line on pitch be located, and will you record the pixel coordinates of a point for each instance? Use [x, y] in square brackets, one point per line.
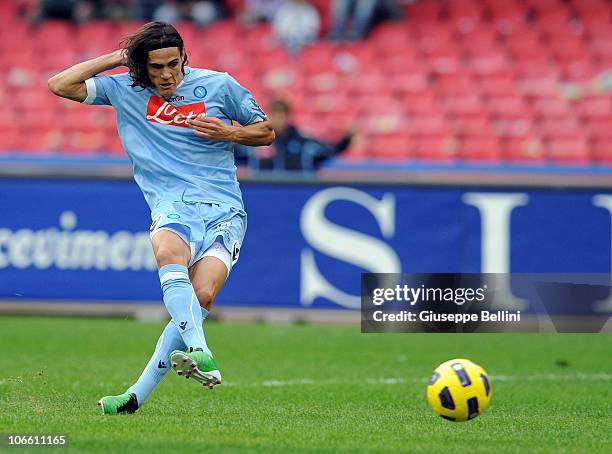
[400, 381]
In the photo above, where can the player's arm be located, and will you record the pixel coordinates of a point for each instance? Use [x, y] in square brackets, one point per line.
[254, 135]
[70, 83]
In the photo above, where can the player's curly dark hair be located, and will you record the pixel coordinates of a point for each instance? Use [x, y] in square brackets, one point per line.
[151, 36]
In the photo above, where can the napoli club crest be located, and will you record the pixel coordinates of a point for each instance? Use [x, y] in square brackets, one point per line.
[199, 92]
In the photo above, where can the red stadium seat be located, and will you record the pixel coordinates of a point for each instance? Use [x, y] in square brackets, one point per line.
[9, 9]
[495, 63]
[275, 58]
[602, 151]
[9, 116]
[9, 138]
[341, 122]
[390, 146]
[330, 102]
[471, 126]
[47, 118]
[599, 128]
[496, 85]
[366, 82]
[113, 144]
[596, 23]
[380, 104]
[53, 34]
[85, 140]
[42, 140]
[446, 64]
[578, 69]
[555, 22]
[35, 97]
[514, 127]
[349, 59]
[257, 39]
[596, 107]
[510, 22]
[562, 127]
[600, 48]
[527, 149]
[323, 82]
[315, 57]
[455, 84]
[20, 57]
[434, 125]
[389, 32]
[435, 45]
[568, 150]
[480, 41]
[57, 61]
[506, 106]
[423, 103]
[542, 6]
[224, 33]
[583, 6]
[463, 105]
[403, 45]
[526, 43]
[537, 86]
[98, 117]
[405, 63]
[443, 148]
[565, 49]
[484, 148]
[468, 8]
[552, 107]
[425, 28]
[125, 28]
[423, 12]
[466, 21]
[97, 31]
[383, 123]
[410, 83]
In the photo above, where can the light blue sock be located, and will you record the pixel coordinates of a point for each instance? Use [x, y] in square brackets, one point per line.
[182, 304]
[159, 364]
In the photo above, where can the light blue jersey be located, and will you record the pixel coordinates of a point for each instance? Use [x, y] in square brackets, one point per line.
[170, 162]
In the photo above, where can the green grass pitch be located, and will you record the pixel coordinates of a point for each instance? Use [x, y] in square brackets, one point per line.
[303, 388]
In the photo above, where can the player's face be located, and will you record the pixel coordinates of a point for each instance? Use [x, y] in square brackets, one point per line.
[164, 67]
[279, 119]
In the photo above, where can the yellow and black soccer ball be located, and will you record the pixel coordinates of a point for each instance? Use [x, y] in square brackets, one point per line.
[459, 390]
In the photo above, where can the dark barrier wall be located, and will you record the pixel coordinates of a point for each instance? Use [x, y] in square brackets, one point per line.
[306, 244]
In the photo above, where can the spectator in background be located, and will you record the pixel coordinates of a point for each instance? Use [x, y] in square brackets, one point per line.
[80, 11]
[206, 12]
[202, 12]
[352, 19]
[169, 11]
[117, 10]
[57, 9]
[256, 11]
[83, 11]
[296, 23]
[292, 150]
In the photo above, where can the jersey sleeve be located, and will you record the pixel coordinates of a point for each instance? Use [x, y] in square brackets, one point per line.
[102, 90]
[241, 105]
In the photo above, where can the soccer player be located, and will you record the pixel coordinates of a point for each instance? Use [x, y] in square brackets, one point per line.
[175, 123]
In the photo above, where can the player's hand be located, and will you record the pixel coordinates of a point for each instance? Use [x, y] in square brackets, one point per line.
[124, 57]
[121, 57]
[211, 128]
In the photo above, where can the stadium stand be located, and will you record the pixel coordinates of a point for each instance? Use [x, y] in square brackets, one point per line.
[518, 80]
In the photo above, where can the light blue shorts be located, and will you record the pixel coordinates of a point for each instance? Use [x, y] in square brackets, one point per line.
[203, 225]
